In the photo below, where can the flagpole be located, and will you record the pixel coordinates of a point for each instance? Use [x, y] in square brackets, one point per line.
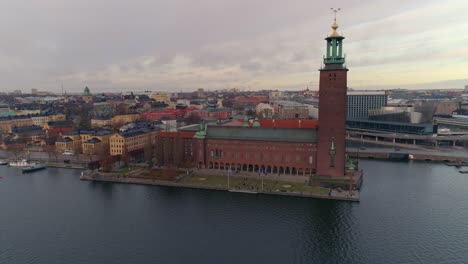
[229, 172]
[262, 182]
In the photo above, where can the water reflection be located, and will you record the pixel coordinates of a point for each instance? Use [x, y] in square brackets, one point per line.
[407, 210]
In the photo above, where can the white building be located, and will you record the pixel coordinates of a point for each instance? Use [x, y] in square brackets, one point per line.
[265, 110]
[360, 102]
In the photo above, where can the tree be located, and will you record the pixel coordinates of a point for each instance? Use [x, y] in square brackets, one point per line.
[117, 124]
[105, 159]
[85, 115]
[16, 149]
[121, 109]
[77, 150]
[50, 150]
[192, 119]
[250, 112]
[148, 152]
[125, 157]
[159, 150]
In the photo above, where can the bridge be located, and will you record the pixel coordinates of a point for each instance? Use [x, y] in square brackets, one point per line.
[408, 139]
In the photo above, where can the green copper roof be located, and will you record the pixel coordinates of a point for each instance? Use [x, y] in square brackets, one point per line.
[262, 133]
[86, 91]
[335, 53]
[7, 113]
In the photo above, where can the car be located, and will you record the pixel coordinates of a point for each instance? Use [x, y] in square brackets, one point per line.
[68, 153]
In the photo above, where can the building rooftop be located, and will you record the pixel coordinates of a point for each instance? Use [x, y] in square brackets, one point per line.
[89, 131]
[135, 132]
[262, 133]
[366, 93]
[64, 123]
[22, 129]
[65, 139]
[93, 141]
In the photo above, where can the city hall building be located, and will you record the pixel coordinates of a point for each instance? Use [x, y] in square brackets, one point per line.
[282, 147]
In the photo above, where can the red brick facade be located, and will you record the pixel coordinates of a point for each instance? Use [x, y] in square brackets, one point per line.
[255, 156]
[332, 127]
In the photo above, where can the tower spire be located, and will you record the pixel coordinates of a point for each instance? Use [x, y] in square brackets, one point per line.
[334, 45]
[335, 25]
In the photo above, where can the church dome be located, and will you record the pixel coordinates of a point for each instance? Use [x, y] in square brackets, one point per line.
[86, 91]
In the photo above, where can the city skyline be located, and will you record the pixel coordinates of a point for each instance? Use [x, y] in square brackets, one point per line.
[263, 45]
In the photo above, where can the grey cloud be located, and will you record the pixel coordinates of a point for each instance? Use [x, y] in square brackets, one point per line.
[52, 40]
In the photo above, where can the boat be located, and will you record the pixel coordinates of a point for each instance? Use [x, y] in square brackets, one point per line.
[457, 163]
[463, 171]
[2, 162]
[33, 167]
[20, 163]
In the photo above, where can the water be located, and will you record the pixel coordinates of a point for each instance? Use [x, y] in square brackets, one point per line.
[409, 213]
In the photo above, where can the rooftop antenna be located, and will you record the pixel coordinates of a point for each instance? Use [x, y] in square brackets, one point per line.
[335, 10]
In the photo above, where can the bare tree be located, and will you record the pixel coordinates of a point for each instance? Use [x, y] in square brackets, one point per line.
[85, 115]
[121, 109]
[77, 150]
[16, 149]
[117, 125]
[125, 157]
[192, 119]
[105, 159]
[148, 153]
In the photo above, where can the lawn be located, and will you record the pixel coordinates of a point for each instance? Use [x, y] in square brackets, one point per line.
[253, 184]
[126, 170]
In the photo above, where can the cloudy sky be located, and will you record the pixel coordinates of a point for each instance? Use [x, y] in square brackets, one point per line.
[176, 45]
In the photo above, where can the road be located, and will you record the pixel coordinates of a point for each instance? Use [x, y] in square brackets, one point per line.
[44, 156]
[453, 152]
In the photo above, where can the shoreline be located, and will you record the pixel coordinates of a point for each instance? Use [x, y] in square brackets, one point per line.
[164, 183]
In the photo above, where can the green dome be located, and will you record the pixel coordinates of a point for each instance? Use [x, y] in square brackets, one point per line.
[256, 123]
[86, 91]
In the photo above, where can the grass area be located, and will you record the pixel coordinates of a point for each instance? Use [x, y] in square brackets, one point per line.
[253, 184]
[126, 170]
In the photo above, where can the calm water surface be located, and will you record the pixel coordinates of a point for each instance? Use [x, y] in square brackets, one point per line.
[409, 213]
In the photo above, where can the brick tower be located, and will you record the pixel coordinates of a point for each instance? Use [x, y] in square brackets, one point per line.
[332, 108]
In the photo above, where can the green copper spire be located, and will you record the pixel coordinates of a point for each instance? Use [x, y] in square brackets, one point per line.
[334, 45]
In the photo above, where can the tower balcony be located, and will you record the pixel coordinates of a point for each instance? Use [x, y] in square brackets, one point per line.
[334, 60]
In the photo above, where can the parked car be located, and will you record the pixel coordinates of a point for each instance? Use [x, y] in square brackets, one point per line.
[68, 153]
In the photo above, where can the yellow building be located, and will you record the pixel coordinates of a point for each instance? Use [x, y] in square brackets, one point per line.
[101, 123]
[123, 119]
[40, 120]
[56, 117]
[94, 146]
[82, 141]
[8, 123]
[130, 141]
[5, 125]
[65, 144]
[171, 105]
[161, 97]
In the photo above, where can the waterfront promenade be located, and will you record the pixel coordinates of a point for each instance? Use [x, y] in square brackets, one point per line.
[241, 184]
